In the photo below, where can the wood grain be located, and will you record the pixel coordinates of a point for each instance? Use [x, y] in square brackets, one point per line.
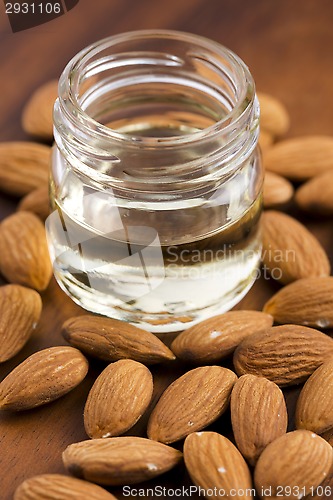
[288, 47]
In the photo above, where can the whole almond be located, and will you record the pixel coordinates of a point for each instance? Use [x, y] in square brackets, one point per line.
[300, 158]
[38, 202]
[286, 354]
[111, 340]
[299, 460]
[213, 462]
[258, 415]
[119, 461]
[191, 403]
[37, 117]
[118, 398]
[217, 337]
[60, 487]
[273, 115]
[43, 377]
[24, 256]
[277, 190]
[306, 302]
[24, 166]
[316, 195]
[290, 251]
[314, 406]
[20, 310]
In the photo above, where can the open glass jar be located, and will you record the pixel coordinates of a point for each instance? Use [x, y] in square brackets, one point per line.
[156, 179]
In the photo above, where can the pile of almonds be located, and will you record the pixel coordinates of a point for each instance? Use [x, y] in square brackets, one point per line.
[261, 458]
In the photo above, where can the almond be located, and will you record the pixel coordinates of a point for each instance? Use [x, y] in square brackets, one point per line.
[314, 407]
[328, 436]
[273, 115]
[290, 251]
[324, 490]
[213, 462]
[217, 337]
[258, 415]
[306, 302]
[37, 117]
[266, 139]
[277, 190]
[43, 377]
[191, 403]
[286, 354]
[24, 256]
[60, 487]
[295, 462]
[118, 398]
[24, 166]
[316, 195]
[300, 158]
[38, 202]
[111, 339]
[119, 461]
[20, 310]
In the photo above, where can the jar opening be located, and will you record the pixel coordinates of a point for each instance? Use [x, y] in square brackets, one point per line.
[156, 108]
[156, 86]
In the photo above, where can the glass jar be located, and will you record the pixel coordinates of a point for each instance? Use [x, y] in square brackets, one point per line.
[156, 179]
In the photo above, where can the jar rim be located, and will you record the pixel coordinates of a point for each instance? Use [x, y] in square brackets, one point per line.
[69, 86]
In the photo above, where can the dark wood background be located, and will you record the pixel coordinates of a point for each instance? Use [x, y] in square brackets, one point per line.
[288, 46]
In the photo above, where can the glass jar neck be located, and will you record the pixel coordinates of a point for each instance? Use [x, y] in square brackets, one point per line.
[158, 111]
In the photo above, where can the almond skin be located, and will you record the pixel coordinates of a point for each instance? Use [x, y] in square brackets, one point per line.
[37, 117]
[60, 487]
[290, 251]
[20, 310]
[37, 202]
[24, 256]
[324, 489]
[119, 461]
[277, 190]
[24, 166]
[297, 459]
[217, 337]
[328, 436]
[266, 139]
[111, 340]
[274, 116]
[300, 158]
[316, 195]
[213, 461]
[314, 406]
[191, 403]
[258, 415]
[306, 302]
[286, 354]
[43, 377]
[118, 398]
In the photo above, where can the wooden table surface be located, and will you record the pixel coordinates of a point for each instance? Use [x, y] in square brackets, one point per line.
[288, 47]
